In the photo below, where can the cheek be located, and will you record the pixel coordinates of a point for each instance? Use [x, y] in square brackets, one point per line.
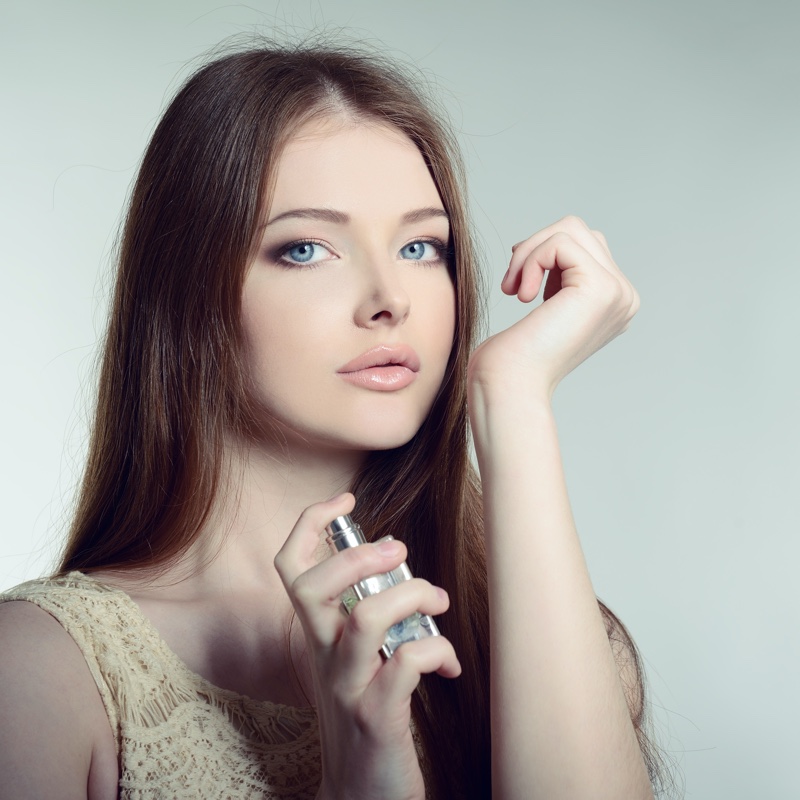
[280, 325]
[439, 309]
[270, 338]
[290, 347]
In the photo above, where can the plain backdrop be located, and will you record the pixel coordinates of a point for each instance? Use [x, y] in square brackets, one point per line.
[672, 127]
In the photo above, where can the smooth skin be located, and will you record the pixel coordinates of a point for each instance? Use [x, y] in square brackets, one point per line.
[560, 718]
[561, 722]
[363, 702]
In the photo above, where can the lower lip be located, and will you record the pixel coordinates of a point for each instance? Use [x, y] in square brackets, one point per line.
[381, 379]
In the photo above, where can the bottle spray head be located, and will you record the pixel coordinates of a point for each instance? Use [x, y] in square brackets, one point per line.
[343, 532]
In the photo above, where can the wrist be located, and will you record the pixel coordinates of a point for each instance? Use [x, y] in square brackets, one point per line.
[505, 394]
[503, 380]
[507, 421]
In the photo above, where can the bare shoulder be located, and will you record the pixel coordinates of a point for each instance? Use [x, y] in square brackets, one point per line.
[52, 713]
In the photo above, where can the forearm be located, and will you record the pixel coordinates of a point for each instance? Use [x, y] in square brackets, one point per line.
[560, 722]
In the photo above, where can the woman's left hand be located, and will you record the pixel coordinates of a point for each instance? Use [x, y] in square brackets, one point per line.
[587, 303]
[575, 722]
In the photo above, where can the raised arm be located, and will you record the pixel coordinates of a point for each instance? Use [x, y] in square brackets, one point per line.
[561, 724]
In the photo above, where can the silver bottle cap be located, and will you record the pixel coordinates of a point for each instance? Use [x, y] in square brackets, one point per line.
[343, 532]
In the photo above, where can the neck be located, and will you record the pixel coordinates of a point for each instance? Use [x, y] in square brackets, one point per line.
[266, 491]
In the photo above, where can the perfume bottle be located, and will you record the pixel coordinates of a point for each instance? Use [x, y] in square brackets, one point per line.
[343, 532]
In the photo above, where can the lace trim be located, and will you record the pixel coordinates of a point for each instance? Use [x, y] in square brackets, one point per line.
[177, 734]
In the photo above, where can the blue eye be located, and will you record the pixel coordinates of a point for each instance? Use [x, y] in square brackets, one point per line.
[422, 251]
[305, 252]
[302, 253]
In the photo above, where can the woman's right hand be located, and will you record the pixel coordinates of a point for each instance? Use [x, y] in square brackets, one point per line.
[363, 701]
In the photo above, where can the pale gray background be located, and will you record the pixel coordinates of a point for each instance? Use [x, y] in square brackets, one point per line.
[673, 127]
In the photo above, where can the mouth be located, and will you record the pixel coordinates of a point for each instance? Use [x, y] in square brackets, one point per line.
[398, 355]
[383, 368]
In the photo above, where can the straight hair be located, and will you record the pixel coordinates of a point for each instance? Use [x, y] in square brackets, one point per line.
[173, 383]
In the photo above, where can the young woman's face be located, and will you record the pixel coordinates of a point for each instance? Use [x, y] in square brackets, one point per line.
[349, 309]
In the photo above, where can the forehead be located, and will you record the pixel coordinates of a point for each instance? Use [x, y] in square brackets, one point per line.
[355, 166]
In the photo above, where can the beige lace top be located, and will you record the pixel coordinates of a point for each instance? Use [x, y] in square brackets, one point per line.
[177, 735]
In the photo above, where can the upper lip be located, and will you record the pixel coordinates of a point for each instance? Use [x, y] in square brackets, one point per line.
[384, 354]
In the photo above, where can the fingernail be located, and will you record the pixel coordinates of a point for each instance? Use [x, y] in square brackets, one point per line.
[442, 593]
[508, 271]
[336, 497]
[387, 548]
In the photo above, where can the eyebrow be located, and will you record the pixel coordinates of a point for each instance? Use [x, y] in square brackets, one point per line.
[340, 218]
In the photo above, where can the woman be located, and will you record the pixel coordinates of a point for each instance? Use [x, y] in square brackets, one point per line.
[294, 319]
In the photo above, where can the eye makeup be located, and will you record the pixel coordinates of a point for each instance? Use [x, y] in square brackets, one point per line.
[278, 255]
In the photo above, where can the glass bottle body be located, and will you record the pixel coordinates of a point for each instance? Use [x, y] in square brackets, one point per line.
[343, 532]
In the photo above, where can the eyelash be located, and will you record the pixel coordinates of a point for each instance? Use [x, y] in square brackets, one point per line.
[279, 255]
[444, 251]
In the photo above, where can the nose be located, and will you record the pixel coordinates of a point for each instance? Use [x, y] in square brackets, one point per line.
[384, 300]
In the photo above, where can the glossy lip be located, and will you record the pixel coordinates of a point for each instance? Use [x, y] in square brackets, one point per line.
[385, 368]
[384, 354]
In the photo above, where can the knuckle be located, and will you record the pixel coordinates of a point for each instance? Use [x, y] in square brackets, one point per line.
[360, 558]
[419, 585]
[306, 514]
[613, 291]
[424, 655]
[363, 617]
[312, 517]
[574, 223]
[407, 657]
[562, 237]
[301, 592]
[610, 303]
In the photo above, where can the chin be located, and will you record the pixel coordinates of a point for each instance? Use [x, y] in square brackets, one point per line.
[386, 433]
[386, 442]
[375, 437]
[360, 435]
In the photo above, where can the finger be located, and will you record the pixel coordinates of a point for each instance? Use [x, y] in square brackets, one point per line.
[572, 225]
[603, 241]
[579, 231]
[298, 554]
[400, 675]
[316, 593]
[365, 631]
[561, 252]
[298, 551]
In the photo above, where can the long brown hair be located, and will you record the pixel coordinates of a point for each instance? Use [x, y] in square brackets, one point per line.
[172, 381]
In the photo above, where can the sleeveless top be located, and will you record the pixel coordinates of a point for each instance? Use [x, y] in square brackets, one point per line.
[177, 735]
